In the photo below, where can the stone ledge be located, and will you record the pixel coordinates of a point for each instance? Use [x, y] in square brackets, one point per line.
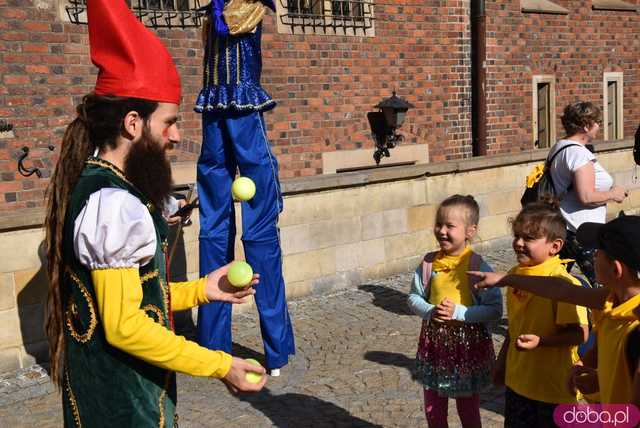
[542, 6]
[613, 5]
[361, 178]
[185, 173]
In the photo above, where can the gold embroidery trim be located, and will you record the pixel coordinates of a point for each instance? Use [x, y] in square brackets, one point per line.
[120, 174]
[156, 310]
[72, 400]
[148, 276]
[210, 107]
[110, 167]
[226, 49]
[72, 310]
[165, 295]
[161, 399]
[237, 63]
[216, 60]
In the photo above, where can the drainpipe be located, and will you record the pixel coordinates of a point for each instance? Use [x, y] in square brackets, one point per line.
[478, 78]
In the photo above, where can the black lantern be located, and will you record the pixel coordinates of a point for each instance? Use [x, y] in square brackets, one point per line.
[384, 124]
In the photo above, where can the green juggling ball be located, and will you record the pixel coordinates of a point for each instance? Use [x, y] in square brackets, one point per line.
[243, 188]
[253, 377]
[240, 274]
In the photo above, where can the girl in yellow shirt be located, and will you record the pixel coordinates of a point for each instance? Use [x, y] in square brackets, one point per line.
[455, 352]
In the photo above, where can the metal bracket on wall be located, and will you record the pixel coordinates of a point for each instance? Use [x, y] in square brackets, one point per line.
[27, 172]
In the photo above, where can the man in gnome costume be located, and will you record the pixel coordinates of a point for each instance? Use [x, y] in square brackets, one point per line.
[234, 138]
[109, 322]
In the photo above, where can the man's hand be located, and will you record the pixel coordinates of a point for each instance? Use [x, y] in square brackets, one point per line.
[236, 378]
[173, 220]
[218, 287]
[444, 311]
[583, 378]
[527, 342]
[488, 279]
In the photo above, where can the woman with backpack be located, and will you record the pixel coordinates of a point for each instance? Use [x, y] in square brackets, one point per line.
[581, 182]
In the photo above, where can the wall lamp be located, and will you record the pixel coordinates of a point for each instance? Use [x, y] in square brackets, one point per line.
[385, 122]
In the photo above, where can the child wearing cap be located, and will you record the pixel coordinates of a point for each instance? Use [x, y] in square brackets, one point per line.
[611, 367]
[541, 331]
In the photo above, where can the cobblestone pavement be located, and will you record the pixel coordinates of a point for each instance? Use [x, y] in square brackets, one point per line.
[353, 368]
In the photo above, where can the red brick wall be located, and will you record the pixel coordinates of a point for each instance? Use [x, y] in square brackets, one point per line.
[44, 72]
[324, 86]
[577, 48]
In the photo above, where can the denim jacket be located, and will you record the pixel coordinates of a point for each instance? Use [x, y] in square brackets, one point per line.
[487, 303]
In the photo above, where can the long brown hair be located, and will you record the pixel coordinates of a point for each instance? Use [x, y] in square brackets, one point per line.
[98, 124]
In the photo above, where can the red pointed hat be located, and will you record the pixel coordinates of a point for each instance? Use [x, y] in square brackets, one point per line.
[133, 62]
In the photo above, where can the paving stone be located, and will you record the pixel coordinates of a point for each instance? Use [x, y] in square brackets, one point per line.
[353, 368]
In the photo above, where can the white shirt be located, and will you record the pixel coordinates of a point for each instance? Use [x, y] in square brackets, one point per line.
[562, 171]
[114, 230]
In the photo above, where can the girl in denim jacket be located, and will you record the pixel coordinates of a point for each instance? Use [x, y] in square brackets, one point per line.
[455, 352]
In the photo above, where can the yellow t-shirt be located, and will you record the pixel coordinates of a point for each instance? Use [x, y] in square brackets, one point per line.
[450, 279]
[541, 374]
[614, 324]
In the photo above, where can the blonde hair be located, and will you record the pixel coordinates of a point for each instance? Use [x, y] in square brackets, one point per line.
[467, 203]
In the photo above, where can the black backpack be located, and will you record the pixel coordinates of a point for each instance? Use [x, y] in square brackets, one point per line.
[543, 184]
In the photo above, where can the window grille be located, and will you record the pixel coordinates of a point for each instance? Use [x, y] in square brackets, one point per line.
[544, 115]
[153, 13]
[612, 114]
[322, 15]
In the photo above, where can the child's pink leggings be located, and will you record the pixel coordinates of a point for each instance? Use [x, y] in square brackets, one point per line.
[435, 408]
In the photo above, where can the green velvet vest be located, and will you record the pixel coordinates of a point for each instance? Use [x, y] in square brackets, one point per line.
[103, 386]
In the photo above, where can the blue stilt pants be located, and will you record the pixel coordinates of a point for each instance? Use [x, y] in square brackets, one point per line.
[238, 140]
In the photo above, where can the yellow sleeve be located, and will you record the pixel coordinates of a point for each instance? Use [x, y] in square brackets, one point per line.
[568, 313]
[186, 295]
[130, 329]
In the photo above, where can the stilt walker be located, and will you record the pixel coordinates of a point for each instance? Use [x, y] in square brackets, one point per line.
[234, 137]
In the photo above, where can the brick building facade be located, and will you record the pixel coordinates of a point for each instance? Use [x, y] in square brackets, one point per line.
[325, 81]
[576, 46]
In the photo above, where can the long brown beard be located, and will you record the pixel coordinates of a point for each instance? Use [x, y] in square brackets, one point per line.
[148, 168]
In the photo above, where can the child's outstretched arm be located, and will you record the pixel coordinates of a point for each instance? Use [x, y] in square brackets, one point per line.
[554, 288]
[417, 300]
[488, 305]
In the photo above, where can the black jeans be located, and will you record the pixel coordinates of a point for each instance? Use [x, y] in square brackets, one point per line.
[523, 412]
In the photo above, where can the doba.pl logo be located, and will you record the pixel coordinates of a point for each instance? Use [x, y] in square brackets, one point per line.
[596, 415]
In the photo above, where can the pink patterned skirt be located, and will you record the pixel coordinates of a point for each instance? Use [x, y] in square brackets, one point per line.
[454, 358]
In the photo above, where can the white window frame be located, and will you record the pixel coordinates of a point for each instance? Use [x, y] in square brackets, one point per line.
[551, 80]
[618, 77]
